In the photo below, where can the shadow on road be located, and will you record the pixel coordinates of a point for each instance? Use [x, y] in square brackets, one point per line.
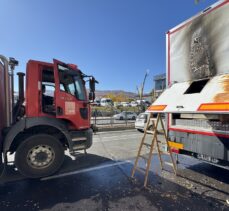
[215, 172]
[81, 161]
[108, 188]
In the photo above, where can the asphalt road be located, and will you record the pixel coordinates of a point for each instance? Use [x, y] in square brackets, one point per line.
[100, 180]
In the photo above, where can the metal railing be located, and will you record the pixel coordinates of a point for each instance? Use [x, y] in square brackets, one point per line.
[104, 116]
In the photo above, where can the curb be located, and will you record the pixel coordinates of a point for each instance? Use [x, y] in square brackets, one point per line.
[113, 129]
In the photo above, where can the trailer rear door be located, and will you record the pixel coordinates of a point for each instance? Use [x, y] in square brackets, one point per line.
[208, 95]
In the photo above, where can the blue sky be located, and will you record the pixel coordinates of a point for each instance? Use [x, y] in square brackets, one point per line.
[115, 40]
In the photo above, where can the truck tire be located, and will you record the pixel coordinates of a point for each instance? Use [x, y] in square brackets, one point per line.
[39, 156]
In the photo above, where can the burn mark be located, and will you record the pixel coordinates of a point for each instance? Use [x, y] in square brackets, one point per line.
[201, 61]
[224, 96]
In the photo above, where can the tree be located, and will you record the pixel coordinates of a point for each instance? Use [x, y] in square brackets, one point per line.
[121, 97]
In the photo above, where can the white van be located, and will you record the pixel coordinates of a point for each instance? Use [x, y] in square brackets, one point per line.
[106, 102]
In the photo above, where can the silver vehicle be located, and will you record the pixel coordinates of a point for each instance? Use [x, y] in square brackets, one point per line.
[125, 115]
[141, 122]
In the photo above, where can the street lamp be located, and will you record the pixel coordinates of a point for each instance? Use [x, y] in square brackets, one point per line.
[141, 90]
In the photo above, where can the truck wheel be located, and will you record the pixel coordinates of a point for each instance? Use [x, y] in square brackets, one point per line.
[39, 156]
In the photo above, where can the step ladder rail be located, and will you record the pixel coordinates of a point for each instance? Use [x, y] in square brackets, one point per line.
[153, 122]
[140, 148]
[159, 154]
[168, 146]
[151, 152]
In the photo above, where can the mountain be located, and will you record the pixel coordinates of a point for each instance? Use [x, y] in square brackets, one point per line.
[102, 93]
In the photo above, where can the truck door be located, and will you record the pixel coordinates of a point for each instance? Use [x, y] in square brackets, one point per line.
[70, 96]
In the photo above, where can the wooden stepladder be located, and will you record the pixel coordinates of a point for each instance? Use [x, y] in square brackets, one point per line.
[155, 140]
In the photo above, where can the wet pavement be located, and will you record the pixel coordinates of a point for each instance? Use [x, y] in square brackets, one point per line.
[100, 180]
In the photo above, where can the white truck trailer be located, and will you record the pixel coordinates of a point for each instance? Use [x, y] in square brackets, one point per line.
[196, 100]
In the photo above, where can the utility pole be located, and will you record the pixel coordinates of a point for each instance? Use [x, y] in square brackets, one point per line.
[141, 89]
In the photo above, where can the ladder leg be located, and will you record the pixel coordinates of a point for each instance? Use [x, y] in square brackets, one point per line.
[169, 149]
[159, 154]
[177, 160]
[139, 150]
[151, 153]
[149, 163]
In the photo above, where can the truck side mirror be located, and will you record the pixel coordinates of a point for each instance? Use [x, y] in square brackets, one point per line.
[92, 84]
[91, 96]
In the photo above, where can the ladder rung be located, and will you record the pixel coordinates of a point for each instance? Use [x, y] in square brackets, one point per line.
[143, 157]
[164, 153]
[150, 131]
[146, 144]
[143, 171]
[168, 163]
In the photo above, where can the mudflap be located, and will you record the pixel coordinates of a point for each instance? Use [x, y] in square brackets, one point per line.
[3, 163]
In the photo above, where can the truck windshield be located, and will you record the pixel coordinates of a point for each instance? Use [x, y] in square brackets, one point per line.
[71, 83]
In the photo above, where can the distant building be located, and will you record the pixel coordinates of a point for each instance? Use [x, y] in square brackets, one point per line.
[159, 85]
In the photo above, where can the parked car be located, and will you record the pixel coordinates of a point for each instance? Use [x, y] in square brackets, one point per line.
[125, 115]
[96, 103]
[147, 103]
[117, 104]
[125, 104]
[134, 104]
[106, 102]
[141, 121]
[143, 102]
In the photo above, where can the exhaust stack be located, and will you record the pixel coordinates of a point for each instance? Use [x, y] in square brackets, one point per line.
[21, 87]
[8, 104]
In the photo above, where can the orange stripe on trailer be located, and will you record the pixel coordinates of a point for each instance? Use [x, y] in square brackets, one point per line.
[214, 107]
[176, 145]
[156, 107]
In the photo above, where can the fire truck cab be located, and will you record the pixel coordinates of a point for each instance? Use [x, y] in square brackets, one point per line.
[53, 116]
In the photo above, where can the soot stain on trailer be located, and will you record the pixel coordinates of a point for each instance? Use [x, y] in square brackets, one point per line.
[201, 62]
[224, 96]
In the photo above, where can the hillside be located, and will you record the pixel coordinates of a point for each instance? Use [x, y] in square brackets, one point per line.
[101, 93]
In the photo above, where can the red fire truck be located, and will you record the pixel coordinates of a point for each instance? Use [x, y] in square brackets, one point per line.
[53, 116]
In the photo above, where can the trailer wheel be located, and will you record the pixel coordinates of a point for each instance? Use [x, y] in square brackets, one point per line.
[39, 156]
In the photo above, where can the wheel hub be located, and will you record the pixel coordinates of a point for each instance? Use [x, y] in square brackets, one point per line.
[40, 156]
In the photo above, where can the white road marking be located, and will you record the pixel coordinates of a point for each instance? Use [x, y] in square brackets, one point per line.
[118, 131]
[120, 139]
[103, 137]
[115, 138]
[86, 170]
